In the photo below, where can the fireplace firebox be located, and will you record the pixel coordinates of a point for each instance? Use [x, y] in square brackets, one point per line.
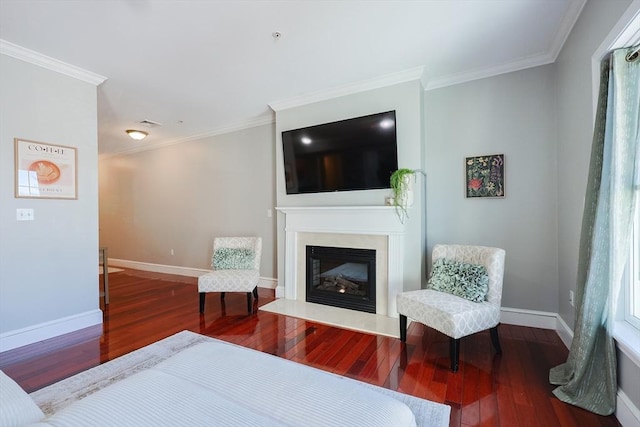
[342, 277]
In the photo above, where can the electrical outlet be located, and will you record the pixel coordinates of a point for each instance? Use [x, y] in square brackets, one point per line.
[171, 251]
[571, 298]
[24, 214]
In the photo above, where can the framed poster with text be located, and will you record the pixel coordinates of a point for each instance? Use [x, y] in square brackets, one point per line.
[45, 171]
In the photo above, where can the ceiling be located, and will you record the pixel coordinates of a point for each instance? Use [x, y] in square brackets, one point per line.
[202, 67]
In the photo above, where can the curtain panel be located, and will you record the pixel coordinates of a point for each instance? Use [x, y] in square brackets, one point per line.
[588, 378]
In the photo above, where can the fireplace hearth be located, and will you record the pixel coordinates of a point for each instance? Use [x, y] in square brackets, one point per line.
[341, 277]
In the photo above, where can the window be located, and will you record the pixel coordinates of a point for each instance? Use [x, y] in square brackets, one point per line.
[632, 303]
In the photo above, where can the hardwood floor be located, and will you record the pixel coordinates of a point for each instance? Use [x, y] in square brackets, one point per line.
[511, 389]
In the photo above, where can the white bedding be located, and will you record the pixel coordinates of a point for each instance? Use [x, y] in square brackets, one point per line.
[215, 383]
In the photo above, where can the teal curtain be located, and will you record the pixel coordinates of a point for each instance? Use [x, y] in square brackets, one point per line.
[588, 378]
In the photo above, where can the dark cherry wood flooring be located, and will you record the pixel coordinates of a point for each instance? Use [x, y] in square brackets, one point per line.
[506, 390]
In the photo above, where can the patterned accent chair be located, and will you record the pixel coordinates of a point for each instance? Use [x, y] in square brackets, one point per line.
[454, 316]
[238, 268]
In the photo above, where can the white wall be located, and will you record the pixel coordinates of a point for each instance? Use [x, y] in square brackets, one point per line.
[405, 98]
[511, 114]
[182, 196]
[48, 267]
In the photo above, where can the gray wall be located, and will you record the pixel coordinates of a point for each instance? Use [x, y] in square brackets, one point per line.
[575, 131]
[512, 114]
[406, 99]
[48, 267]
[182, 196]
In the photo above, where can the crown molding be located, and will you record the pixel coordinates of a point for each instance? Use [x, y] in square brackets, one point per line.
[27, 55]
[569, 19]
[264, 119]
[350, 89]
[574, 9]
[522, 64]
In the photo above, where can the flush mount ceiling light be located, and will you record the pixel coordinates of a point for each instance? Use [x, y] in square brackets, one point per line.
[137, 134]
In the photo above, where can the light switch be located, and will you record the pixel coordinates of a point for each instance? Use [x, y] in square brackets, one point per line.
[24, 214]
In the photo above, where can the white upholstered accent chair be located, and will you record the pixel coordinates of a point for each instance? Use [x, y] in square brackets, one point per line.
[238, 260]
[454, 316]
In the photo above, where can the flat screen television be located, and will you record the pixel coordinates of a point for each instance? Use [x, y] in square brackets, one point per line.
[353, 154]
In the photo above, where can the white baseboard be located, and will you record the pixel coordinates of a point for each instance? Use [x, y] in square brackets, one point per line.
[42, 331]
[157, 268]
[279, 291]
[531, 318]
[265, 282]
[626, 412]
[564, 332]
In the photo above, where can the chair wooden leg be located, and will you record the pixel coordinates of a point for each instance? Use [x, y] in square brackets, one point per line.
[202, 297]
[222, 296]
[403, 328]
[454, 353]
[249, 307]
[255, 292]
[495, 339]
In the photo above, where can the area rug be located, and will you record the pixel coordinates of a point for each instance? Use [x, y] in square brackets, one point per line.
[57, 396]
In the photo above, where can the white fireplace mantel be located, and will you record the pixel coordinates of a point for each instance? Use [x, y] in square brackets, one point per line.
[366, 220]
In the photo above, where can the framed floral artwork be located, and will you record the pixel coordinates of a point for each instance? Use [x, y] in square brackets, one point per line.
[485, 176]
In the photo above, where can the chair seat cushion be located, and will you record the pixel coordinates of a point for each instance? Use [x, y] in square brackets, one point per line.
[228, 281]
[453, 316]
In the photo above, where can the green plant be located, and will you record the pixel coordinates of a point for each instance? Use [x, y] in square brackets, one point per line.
[400, 186]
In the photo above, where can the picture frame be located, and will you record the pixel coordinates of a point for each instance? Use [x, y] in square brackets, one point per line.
[45, 171]
[484, 176]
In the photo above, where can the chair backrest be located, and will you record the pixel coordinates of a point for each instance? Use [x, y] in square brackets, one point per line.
[253, 243]
[491, 258]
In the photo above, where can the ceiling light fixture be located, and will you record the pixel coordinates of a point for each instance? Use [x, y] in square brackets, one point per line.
[137, 134]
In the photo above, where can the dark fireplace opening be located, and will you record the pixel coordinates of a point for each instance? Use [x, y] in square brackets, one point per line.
[342, 277]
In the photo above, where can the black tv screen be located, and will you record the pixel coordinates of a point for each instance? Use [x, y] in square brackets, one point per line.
[354, 154]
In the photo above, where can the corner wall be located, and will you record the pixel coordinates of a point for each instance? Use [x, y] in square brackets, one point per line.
[49, 266]
[511, 114]
[575, 133]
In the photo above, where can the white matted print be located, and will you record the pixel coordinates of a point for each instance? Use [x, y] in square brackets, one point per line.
[45, 171]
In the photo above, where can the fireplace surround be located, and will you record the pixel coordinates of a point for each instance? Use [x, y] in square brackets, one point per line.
[363, 227]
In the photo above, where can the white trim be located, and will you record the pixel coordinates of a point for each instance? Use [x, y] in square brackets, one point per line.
[42, 331]
[260, 121]
[531, 318]
[626, 412]
[626, 32]
[265, 282]
[627, 339]
[350, 89]
[468, 76]
[157, 268]
[565, 332]
[568, 21]
[268, 283]
[44, 61]
[537, 319]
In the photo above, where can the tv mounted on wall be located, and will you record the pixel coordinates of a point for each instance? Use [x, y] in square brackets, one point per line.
[353, 154]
